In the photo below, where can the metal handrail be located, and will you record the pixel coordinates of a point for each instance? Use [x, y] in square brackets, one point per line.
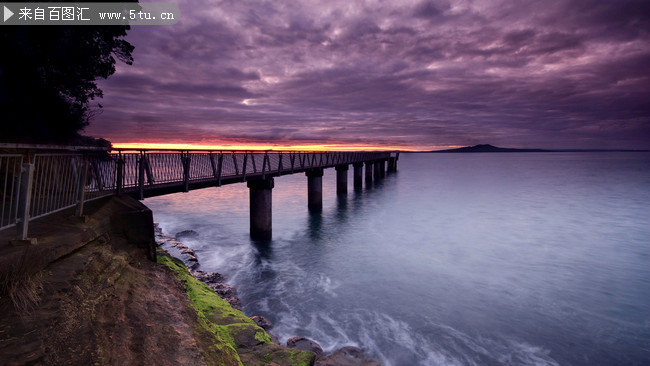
[37, 180]
[10, 176]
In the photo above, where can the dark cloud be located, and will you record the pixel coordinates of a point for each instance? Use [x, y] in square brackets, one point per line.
[616, 20]
[427, 9]
[412, 73]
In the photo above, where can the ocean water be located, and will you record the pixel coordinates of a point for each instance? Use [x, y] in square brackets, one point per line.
[456, 259]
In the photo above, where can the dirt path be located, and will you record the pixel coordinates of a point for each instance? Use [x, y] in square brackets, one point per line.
[105, 305]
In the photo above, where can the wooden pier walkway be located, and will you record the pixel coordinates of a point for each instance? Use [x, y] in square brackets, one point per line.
[36, 181]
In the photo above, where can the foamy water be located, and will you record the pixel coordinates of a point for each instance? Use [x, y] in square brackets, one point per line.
[458, 259]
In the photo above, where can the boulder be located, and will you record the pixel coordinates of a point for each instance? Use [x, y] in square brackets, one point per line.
[227, 293]
[347, 356]
[262, 322]
[274, 339]
[224, 290]
[208, 277]
[305, 344]
[234, 302]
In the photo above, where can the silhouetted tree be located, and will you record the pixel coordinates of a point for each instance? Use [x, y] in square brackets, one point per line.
[47, 78]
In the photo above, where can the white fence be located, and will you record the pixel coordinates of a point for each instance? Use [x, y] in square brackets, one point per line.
[35, 182]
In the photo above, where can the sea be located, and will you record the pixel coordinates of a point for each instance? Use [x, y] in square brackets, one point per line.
[455, 259]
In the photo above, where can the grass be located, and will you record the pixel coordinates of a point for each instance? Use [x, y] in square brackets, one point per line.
[21, 284]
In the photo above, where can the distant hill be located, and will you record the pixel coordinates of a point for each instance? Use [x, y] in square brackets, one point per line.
[486, 148]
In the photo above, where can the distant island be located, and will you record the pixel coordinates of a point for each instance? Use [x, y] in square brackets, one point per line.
[490, 149]
[486, 148]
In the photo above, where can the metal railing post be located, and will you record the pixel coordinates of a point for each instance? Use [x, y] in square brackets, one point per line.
[119, 174]
[243, 169]
[147, 170]
[266, 156]
[141, 175]
[213, 165]
[98, 176]
[24, 202]
[253, 161]
[186, 171]
[219, 168]
[81, 187]
[234, 160]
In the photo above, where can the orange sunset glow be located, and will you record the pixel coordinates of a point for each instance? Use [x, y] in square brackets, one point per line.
[244, 146]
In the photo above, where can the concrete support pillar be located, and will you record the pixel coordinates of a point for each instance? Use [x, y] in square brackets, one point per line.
[342, 179]
[377, 170]
[315, 189]
[392, 164]
[358, 175]
[260, 208]
[369, 165]
[382, 168]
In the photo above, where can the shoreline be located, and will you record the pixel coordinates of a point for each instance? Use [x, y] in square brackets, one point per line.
[91, 293]
[347, 355]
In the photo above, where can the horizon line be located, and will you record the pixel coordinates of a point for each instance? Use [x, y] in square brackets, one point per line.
[263, 147]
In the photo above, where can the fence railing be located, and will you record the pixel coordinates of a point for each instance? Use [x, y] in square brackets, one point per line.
[35, 183]
[10, 175]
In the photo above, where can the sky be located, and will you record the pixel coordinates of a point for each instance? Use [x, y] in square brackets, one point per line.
[418, 75]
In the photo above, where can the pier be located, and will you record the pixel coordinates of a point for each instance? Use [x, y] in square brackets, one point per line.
[36, 181]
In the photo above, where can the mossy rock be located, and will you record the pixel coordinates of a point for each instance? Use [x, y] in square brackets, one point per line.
[234, 338]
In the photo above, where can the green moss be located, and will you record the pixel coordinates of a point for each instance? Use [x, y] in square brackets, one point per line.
[206, 304]
[301, 358]
[263, 337]
[233, 335]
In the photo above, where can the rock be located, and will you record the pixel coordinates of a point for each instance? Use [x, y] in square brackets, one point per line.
[234, 302]
[213, 279]
[227, 293]
[208, 277]
[164, 241]
[245, 337]
[262, 322]
[187, 250]
[188, 255]
[186, 234]
[347, 356]
[175, 243]
[224, 290]
[305, 344]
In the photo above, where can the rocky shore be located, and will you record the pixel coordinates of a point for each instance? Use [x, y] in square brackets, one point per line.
[97, 291]
[345, 356]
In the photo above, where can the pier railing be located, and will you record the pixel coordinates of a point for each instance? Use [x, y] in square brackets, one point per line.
[10, 182]
[36, 181]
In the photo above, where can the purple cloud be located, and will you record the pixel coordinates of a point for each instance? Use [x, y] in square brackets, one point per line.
[413, 73]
